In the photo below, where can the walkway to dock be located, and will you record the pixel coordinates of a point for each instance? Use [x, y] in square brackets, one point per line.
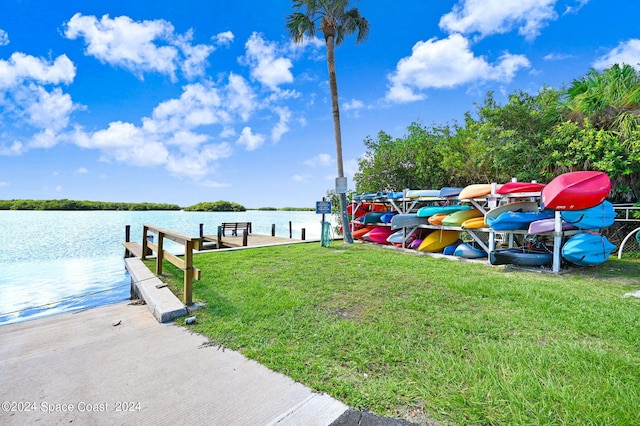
[117, 365]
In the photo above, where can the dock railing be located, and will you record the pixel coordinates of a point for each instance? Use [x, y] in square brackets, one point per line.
[186, 264]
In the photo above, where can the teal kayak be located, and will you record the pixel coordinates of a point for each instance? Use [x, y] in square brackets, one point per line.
[431, 210]
[587, 249]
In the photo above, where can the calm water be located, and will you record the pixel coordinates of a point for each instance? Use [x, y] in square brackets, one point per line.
[54, 262]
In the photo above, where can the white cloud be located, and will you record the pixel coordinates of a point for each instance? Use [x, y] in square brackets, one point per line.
[15, 148]
[486, 17]
[212, 184]
[48, 110]
[321, 160]
[447, 63]
[282, 126]
[223, 39]
[627, 52]
[178, 134]
[240, 97]
[354, 104]
[4, 184]
[199, 105]
[301, 178]
[4, 38]
[21, 67]
[82, 171]
[266, 63]
[251, 141]
[196, 165]
[571, 10]
[143, 46]
[195, 57]
[557, 57]
[312, 48]
[27, 104]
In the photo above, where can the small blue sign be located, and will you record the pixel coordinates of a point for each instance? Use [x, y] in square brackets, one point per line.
[323, 207]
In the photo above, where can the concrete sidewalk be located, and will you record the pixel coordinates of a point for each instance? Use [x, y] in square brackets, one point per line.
[117, 365]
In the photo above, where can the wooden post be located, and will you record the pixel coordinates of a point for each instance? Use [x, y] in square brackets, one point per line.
[304, 234]
[290, 230]
[145, 247]
[201, 230]
[273, 229]
[160, 254]
[188, 273]
[127, 237]
[219, 237]
[245, 237]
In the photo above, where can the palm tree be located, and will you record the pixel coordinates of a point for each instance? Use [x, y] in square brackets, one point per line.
[336, 22]
[610, 99]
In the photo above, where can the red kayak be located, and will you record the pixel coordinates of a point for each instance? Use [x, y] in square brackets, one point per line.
[517, 187]
[380, 234]
[576, 190]
[366, 208]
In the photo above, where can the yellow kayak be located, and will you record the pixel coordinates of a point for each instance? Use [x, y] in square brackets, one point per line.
[438, 240]
[474, 223]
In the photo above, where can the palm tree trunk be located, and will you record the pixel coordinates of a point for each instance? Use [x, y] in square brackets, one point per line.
[333, 87]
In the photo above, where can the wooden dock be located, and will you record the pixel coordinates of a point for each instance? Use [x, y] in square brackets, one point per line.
[253, 240]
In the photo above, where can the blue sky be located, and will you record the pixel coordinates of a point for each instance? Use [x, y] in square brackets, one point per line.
[190, 101]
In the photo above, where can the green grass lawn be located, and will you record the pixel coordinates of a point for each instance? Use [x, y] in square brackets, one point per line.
[431, 339]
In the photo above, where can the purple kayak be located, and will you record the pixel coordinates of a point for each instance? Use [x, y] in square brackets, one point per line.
[548, 225]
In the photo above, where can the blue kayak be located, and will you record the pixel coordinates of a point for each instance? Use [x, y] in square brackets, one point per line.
[470, 251]
[431, 210]
[395, 195]
[386, 218]
[450, 249]
[448, 192]
[596, 217]
[587, 249]
[508, 221]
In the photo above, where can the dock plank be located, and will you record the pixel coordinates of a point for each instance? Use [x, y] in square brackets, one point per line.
[252, 240]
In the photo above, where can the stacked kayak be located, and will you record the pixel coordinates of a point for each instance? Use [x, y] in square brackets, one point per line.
[575, 202]
[436, 219]
[586, 249]
[521, 256]
[431, 210]
[520, 206]
[475, 223]
[520, 187]
[547, 225]
[380, 234]
[457, 218]
[407, 220]
[600, 216]
[514, 220]
[470, 250]
[576, 190]
[476, 191]
[438, 240]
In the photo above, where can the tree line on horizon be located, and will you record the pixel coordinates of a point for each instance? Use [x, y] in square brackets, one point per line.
[591, 125]
[65, 204]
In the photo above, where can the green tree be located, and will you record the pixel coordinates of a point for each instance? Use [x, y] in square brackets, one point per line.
[411, 162]
[513, 134]
[336, 22]
[610, 99]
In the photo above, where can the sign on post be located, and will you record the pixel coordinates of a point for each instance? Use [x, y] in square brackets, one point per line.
[323, 207]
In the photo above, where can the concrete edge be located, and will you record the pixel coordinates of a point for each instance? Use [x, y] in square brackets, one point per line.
[162, 303]
[317, 408]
